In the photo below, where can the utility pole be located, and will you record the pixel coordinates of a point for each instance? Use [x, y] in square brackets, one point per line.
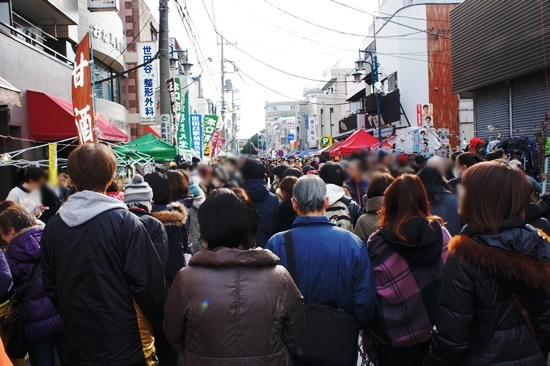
[164, 61]
[222, 61]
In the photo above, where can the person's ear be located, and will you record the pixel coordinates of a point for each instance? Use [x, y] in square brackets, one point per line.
[294, 204]
[326, 203]
[205, 244]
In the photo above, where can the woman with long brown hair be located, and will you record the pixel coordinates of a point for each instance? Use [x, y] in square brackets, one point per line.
[495, 304]
[408, 254]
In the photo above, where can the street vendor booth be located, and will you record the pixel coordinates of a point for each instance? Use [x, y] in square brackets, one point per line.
[52, 119]
[357, 141]
[149, 145]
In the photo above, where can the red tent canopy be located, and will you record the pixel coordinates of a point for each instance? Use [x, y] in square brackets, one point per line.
[358, 140]
[51, 119]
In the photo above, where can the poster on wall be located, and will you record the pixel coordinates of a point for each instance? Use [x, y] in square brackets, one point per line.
[103, 5]
[147, 83]
[424, 115]
[81, 88]
[195, 124]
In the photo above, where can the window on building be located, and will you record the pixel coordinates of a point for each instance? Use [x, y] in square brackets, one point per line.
[109, 89]
[154, 33]
[292, 107]
[274, 108]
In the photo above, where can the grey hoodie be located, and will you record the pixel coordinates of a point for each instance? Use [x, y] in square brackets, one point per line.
[83, 206]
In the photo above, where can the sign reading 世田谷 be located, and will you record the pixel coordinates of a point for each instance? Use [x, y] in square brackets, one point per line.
[147, 82]
[195, 124]
[82, 92]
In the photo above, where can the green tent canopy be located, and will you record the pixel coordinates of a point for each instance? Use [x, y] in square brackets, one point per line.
[150, 145]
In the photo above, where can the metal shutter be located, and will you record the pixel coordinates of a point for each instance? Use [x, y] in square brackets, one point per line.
[529, 104]
[491, 107]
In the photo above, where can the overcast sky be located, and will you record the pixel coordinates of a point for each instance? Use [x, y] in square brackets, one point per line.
[273, 37]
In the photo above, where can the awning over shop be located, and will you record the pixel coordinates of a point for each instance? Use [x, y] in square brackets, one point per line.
[8, 93]
[357, 96]
[150, 145]
[292, 153]
[52, 118]
[358, 140]
[306, 152]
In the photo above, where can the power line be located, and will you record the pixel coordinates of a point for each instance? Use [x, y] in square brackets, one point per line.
[388, 20]
[284, 95]
[314, 24]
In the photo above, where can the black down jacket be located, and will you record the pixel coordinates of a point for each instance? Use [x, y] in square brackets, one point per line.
[478, 322]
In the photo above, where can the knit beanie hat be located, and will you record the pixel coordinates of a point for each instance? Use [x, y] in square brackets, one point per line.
[138, 190]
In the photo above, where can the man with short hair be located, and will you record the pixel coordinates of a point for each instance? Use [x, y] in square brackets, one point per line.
[101, 270]
[332, 265]
[357, 184]
[267, 204]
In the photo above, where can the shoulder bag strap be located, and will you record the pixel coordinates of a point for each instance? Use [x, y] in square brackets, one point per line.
[290, 258]
[524, 314]
[31, 288]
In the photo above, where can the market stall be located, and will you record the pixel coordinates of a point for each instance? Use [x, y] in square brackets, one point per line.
[357, 141]
[148, 145]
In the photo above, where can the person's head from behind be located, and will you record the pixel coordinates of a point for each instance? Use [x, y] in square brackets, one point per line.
[13, 220]
[418, 161]
[162, 191]
[439, 163]
[62, 179]
[234, 225]
[34, 178]
[252, 170]
[433, 181]
[378, 184]
[279, 170]
[333, 173]
[139, 194]
[404, 199]
[287, 186]
[491, 193]
[495, 154]
[463, 162]
[292, 172]
[309, 196]
[356, 167]
[91, 167]
[178, 184]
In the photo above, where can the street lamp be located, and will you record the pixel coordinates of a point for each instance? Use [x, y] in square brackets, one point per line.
[376, 86]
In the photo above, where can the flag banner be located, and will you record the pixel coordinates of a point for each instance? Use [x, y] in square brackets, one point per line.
[147, 83]
[210, 122]
[195, 124]
[82, 92]
[52, 164]
[183, 139]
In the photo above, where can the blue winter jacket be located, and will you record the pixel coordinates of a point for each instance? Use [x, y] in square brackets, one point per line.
[267, 205]
[332, 264]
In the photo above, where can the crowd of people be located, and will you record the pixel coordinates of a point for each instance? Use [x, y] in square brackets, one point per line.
[382, 259]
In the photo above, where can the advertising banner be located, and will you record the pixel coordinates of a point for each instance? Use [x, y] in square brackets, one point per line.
[209, 126]
[165, 128]
[195, 123]
[147, 83]
[83, 105]
[183, 138]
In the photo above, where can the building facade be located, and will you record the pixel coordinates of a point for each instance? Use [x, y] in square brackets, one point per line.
[37, 42]
[508, 79]
[412, 41]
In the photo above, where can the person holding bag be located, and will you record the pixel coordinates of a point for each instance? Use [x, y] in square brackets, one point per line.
[494, 307]
[36, 323]
[332, 270]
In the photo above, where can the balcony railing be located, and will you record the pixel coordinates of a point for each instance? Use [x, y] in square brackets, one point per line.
[36, 41]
